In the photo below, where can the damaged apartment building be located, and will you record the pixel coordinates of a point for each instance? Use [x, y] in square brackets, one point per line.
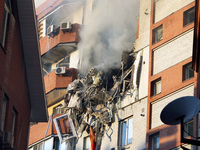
[103, 92]
[91, 107]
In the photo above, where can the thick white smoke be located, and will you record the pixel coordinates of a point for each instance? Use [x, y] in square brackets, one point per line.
[110, 30]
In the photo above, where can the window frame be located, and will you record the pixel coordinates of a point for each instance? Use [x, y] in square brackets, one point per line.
[154, 85]
[121, 131]
[186, 14]
[3, 111]
[155, 31]
[186, 72]
[7, 11]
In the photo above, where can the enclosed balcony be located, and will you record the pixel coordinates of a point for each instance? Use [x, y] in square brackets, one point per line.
[53, 81]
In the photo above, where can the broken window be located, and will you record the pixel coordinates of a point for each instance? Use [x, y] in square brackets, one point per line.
[58, 109]
[188, 72]
[188, 16]
[3, 111]
[155, 141]
[64, 124]
[156, 87]
[157, 34]
[126, 132]
[7, 8]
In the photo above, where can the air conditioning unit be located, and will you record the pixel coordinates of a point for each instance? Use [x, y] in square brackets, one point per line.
[50, 30]
[8, 139]
[60, 70]
[66, 26]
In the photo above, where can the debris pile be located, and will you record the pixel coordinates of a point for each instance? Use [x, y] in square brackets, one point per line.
[90, 100]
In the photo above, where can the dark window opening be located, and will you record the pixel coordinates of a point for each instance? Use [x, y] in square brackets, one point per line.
[188, 16]
[157, 34]
[188, 72]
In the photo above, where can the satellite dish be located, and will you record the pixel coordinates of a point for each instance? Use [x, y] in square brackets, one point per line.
[185, 107]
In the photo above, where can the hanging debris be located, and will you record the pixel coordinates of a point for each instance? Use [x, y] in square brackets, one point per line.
[89, 100]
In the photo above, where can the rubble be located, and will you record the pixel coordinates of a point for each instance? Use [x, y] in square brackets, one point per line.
[90, 100]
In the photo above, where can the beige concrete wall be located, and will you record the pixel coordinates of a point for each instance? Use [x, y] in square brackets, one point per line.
[158, 105]
[164, 8]
[78, 16]
[143, 79]
[173, 52]
[144, 25]
[74, 59]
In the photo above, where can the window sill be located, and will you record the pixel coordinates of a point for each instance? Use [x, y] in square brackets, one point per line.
[187, 79]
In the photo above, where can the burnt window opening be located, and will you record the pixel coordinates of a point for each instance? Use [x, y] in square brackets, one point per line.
[188, 72]
[156, 87]
[188, 16]
[157, 34]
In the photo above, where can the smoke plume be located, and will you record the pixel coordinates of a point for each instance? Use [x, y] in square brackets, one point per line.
[110, 30]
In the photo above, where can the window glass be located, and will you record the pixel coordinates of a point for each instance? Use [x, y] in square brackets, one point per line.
[157, 34]
[48, 144]
[188, 71]
[87, 143]
[188, 16]
[156, 87]
[130, 130]
[188, 128]
[126, 131]
[155, 142]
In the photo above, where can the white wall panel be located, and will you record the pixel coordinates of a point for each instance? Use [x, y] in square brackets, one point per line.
[164, 8]
[173, 52]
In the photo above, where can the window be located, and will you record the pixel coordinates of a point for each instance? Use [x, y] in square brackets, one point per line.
[7, 8]
[157, 34]
[156, 87]
[39, 146]
[58, 110]
[188, 72]
[155, 141]
[188, 16]
[86, 143]
[188, 128]
[14, 115]
[3, 111]
[126, 132]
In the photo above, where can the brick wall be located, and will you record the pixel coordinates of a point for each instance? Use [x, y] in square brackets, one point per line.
[48, 42]
[13, 82]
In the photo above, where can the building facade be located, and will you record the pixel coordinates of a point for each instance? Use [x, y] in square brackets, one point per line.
[170, 69]
[163, 48]
[21, 85]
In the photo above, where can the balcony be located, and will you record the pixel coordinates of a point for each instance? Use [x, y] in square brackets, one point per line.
[53, 81]
[60, 41]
